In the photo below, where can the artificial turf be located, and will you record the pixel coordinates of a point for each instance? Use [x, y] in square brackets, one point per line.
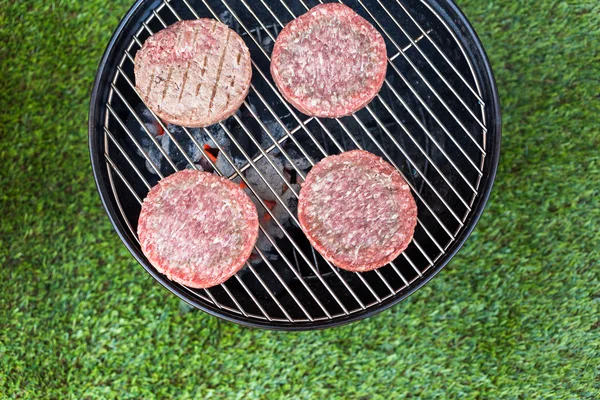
[515, 315]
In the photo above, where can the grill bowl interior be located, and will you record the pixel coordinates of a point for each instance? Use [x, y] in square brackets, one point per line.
[436, 119]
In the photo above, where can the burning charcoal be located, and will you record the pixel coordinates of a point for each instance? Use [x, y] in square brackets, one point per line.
[298, 158]
[282, 215]
[154, 155]
[267, 43]
[276, 131]
[291, 201]
[227, 19]
[150, 122]
[269, 174]
[217, 132]
[186, 144]
[143, 135]
[196, 166]
[205, 165]
[308, 145]
[225, 167]
[237, 132]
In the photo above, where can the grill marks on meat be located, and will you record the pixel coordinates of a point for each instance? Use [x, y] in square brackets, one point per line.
[357, 210]
[219, 71]
[329, 62]
[185, 76]
[197, 228]
[193, 73]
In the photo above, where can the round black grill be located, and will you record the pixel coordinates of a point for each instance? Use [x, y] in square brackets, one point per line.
[436, 119]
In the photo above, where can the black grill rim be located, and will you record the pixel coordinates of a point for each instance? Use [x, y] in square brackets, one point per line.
[472, 44]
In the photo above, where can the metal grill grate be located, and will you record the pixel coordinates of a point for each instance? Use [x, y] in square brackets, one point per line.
[429, 121]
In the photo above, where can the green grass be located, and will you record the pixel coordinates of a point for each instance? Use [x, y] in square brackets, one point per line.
[515, 315]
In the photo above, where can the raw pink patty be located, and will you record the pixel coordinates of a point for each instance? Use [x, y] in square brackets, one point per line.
[357, 210]
[329, 62]
[197, 228]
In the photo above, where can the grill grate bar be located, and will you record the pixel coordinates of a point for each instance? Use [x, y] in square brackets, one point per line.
[415, 40]
[273, 38]
[431, 237]
[291, 214]
[264, 259]
[385, 282]
[210, 296]
[409, 85]
[420, 223]
[113, 167]
[271, 294]
[434, 116]
[237, 303]
[450, 63]
[112, 186]
[292, 138]
[291, 111]
[114, 88]
[416, 143]
[471, 69]
[271, 147]
[441, 76]
[353, 139]
[276, 143]
[129, 161]
[139, 147]
[435, 216]
[298, 171]
[255, 300]
[125, 181]
[458, 219]
[412, 89]
[430, 136]
[134, 193]
[276, 220]
[435, 93]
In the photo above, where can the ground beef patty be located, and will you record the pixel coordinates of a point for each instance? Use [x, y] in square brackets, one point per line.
[329, 62]
[357, 210]
[193, 73]
[197, 228]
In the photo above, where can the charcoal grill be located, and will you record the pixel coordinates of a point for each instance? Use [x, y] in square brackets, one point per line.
[436, 119]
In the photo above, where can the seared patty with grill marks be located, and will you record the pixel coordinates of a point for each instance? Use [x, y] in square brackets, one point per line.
[193, 73]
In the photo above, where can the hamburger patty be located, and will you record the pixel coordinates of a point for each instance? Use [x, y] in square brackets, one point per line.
[197, 228]
[329, 62]
[193, 73]
[357, 210]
